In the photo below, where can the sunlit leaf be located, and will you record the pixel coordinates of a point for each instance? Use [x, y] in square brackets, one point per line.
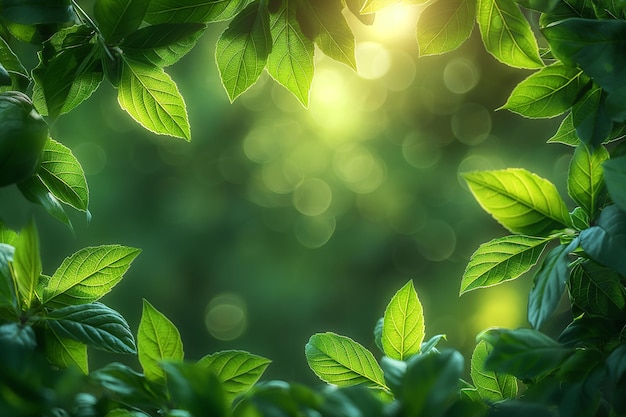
[242, 49]
[549, 284]
[88, 274]
[585, 181]
[524, 353]
[615, 178]
[238, 371]
[521, 201]
[593, 125]
[546, 93]
[150, 96]
[93, 324]
[597, 290]
[492, 386]
[507, 34]
[323, 22]
[403, 324]
[193, 11]
[64, 352]
[566, 133]
[27, 264]
[63, 175]
[501, 260]
[606, 241]
[341, 361]
[78, 90]
[118, 18]
[444, 26]
[157, 340]
[291, 61]
[373, 6]
[35, 191]
[163, 44]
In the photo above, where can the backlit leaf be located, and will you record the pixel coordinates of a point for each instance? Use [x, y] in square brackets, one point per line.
[118, 18]
[546, 93]
[501, 260]
[238, 371]
[7, 288]
[93, 324]
[521, 201]
[88, 274]
[606, 241]
[157, 340]
[150, 96]
[549, 284]
[566, 133]
[597, 290]
[323, 22]
[585, 181]
[403, 324]
[27, 264]
[507, 34]
[63, 175]
[444, 26]
[193, 11]
[341, 361]
[64, 352]
[615, 178]
[373, 6]
[492, 386]
[35, 191]
[242, 49]
[291, 61]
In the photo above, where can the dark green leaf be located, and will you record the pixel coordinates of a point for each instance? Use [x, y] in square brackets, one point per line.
[18, 335]
[501, 260]
[616, 363]
[431, 344]
[36, 192]
[444, 26]
[597, 290]
[118, 18]
[549, 284]
[93, 324]
[606, 242]
[35, 12]
[507, 34]
[7, 290]
[585, 180]
[378, 334]
[587, 331]
[545, 6]
[521, 201]
[525, 353]
[64, 352]
[615, 178]
[13, 66]
[491, 386]
[163, 44]
[126, 384]
[27, 264]
[322, 22]
[5, 78]
[547, 93]
[243, 48]
[195, 389]
[193, 11]
[291, 61]
[593, 125]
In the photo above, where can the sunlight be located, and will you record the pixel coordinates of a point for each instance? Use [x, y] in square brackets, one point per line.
[395, 23]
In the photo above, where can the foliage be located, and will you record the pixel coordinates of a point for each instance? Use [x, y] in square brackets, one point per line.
[49, 320]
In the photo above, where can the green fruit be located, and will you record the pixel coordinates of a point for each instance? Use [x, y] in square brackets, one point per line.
[23, 135]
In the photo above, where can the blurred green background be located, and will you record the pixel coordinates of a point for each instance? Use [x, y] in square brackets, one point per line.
[277, 222]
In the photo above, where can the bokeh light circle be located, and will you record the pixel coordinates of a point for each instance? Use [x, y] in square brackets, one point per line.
[312, 197]
[314, 232]
[226, 316]
[420, 152]
[359, 169]
[471, 124]
[436, 240]
[373, 60]
[92, 157]
[460, 75]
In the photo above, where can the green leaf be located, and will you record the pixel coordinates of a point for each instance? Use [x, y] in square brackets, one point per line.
[118, 18]
[7, 235]
[27, 264]
[521, 201]
[238, 371]
[615, 177]
[549, 284]
[585, 181]
[242, 49]
[64, 352]
[546, 93]
[163, 44]
[597, 290]
[341, 361]
[593, 125]
[17, 335]
[93, 324]
[403, 324]
[63, 175]
[14, 67]
[507, 34]
[195, 390]
[7, 289]
[291, 61]
[78, 90]
[88, 274]
[157, 340]
[501, 260]
[524, 353]
[323, 22]
[36, 12]
[491, 386]
[606, 242]
[35, 191]
[120, 412]
[193, 11]
[150, 96]
[566, 133]
[373, 6]
[444, 26]
[539, 5]
[597, 46]
[126, 384]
